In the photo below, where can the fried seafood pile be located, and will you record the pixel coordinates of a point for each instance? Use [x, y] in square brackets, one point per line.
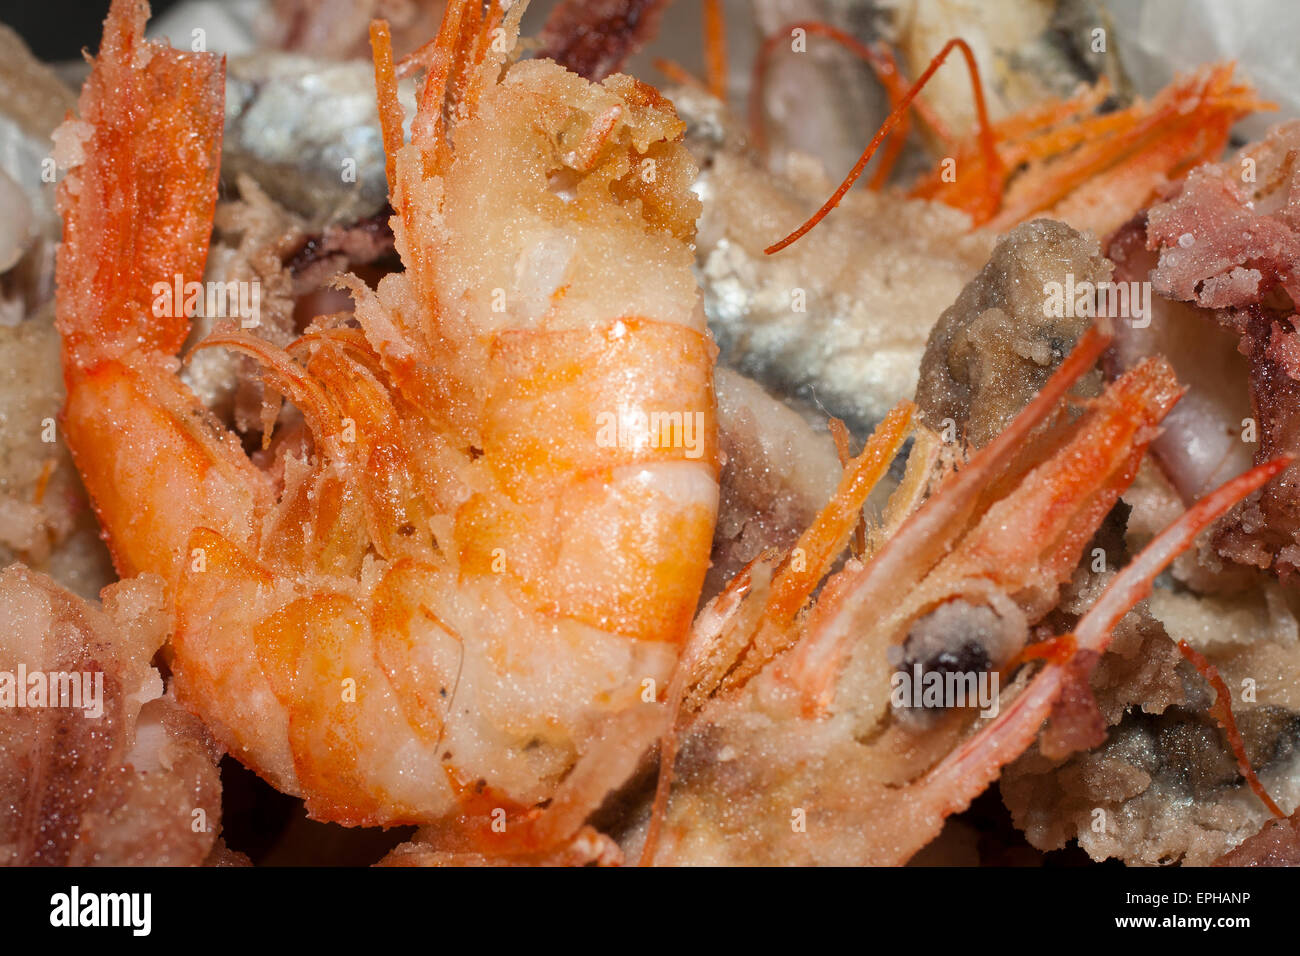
[552, 508]
[1164, 785]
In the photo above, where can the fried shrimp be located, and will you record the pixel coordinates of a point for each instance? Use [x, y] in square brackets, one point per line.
[449, 600]
[792, 746]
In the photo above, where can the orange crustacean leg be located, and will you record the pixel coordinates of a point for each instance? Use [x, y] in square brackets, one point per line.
[1059, 157]
[715, 56]
[1109, 175]
[1221, 710]
[796, 578]
[715, 48]
[390, 113]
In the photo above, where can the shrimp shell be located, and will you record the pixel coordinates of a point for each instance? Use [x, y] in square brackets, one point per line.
[449, 610]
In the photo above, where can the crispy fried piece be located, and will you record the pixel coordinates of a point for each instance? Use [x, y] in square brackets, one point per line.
[135, 785]
[994, 348]
[1232, 233]
[1162, 789]
[1165, 781]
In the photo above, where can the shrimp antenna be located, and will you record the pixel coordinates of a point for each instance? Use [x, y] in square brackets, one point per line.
[390, 111]
[1222, 712]
[992, 162]
[975, 764]
[715, 48]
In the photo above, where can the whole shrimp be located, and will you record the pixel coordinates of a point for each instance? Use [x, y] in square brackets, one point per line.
[447, 603]
[790, 747]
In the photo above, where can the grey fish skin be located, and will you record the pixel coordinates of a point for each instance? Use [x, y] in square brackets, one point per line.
[307, 131]
[872, 279]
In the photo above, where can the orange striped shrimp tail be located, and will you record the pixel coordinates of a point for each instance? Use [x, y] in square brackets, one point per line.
[138, 206]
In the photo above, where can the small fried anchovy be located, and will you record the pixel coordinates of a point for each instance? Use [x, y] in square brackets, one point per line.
[839, 320]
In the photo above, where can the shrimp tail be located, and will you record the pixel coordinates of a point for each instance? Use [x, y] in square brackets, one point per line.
[138, 202]
[138, 207]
